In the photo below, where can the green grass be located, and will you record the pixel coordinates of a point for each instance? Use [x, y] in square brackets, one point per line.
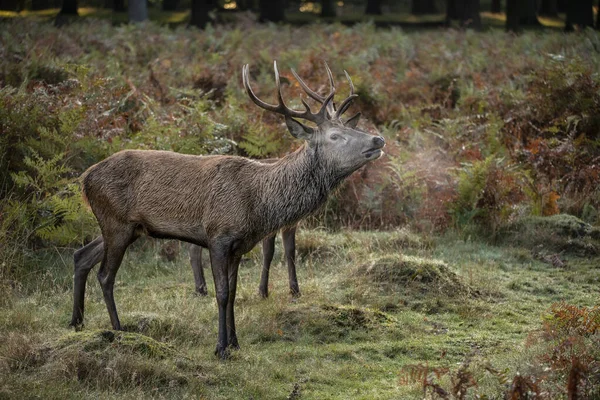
[349, 336]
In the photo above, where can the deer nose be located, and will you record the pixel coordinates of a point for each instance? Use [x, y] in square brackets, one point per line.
[378, 142]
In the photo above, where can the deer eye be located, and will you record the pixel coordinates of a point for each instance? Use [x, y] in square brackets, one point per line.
[335, 136]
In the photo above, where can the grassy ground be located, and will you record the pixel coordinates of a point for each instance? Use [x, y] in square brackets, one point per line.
[373, 304]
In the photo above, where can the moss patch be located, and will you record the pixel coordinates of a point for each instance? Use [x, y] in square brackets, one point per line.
[103, 358]
[426, 275]
[123, 342]
[327, 323]
[320, 243]
[557, 233]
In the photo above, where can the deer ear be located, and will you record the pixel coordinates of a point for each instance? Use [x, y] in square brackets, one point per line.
[298, 130]
[353, 121]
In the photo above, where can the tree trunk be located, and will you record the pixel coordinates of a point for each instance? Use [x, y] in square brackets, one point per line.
[69, 7]
[118, 5]
[579, 13]
[529, 13]
[549, 8]
[520, 13]
[271, 11]
[9, 5]
[170, 5]
[373, 7]
[496, 6]
[40, 4]
[420, 7]
[243, 5]
[137, 10]
[67, 13]
[512, 15]
[466, 11]
[328, 8]
[200, 13]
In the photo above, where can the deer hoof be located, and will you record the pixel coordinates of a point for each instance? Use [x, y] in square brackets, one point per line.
[234, 345]
[222, 352]
[76, 325]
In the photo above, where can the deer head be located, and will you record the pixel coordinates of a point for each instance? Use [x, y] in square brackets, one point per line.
[339, 142]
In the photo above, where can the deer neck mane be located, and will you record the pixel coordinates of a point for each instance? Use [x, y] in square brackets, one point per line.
[296, 186]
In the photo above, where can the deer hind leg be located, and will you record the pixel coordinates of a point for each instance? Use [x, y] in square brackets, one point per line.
[268, 246]
[289, 245]
[196, 261]
[85, 259]
[232, 340]
[115, 245]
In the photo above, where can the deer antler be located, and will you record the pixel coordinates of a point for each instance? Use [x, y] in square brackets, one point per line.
[333, 114]
[346, 103]
[328, 110]
[318, 118]
[315, 95]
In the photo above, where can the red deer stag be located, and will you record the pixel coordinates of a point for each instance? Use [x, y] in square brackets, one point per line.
[224, 203]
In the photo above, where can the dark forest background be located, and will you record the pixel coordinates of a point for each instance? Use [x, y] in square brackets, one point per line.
[518, 13]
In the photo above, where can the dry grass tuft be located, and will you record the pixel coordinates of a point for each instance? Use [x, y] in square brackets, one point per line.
[411, 272]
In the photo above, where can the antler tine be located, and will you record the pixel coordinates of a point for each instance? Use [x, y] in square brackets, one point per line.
[280, 108]
[330, 75]
[327, 103]
[316, 96]
[278, 84]
[256, 100]
[349, 82]
[346, 103]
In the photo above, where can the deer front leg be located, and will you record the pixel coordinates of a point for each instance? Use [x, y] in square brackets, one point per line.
[219, 260]
[196, 261]
[289, 245]
[268, 247]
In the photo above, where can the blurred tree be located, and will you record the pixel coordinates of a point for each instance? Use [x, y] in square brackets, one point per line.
[271, 10]
[496, 6]
[521, 13]
[328, 8]
[137, 10]
[67, 12]
[244, 5]
[466, 11]
[419, 7]
[69, 8]
[200, 12]
[549, 8]
[40, 4]
[170, 5]
[579, 13]
[115, 5]
[11, 5]
[373, 7]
